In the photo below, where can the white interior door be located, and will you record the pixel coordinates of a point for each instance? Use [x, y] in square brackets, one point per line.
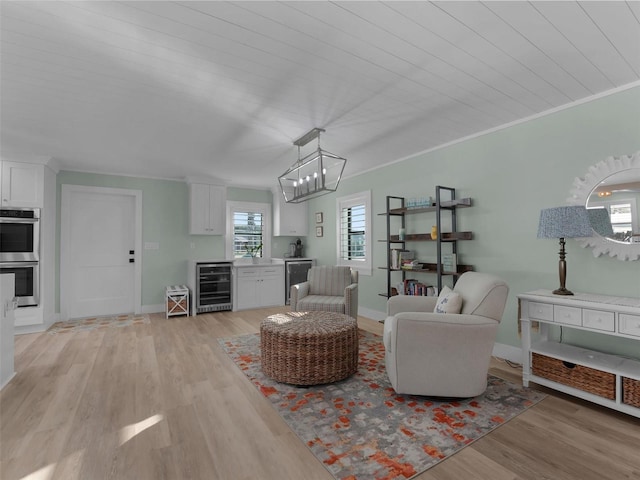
[100, 251]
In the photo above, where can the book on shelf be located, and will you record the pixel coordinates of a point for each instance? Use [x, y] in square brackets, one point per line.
[406, 255]
[449, 262]
[395, 259]
[411, 265]
[416, 288]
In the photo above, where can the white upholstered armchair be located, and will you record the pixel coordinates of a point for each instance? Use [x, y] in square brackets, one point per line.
[444, 354]
[328, 288]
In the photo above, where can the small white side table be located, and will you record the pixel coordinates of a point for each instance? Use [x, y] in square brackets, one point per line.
[177, 300]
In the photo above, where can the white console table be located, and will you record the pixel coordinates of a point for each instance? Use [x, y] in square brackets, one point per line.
[605, 315]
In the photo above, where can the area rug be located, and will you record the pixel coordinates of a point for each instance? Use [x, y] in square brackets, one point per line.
[92, 323]
[360, 428]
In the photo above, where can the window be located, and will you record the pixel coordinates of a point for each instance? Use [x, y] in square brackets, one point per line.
[354, 231]
[247, 229]
[622, 214]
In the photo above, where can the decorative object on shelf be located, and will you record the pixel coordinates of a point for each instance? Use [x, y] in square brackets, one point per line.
[253, 250]
[564, 222]
[401, 234]
[418, 202]
[318, 217]
[319, 231]
[450, 262]
[395, 258]
[434, 232]
[314, 175]
[620, 176]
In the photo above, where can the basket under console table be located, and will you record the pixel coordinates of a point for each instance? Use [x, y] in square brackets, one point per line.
[609, 380]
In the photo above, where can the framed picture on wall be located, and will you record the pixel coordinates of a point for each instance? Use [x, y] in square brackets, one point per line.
[318, 231]
[318, 217]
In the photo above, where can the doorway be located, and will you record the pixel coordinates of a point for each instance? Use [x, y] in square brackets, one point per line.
[100, 251]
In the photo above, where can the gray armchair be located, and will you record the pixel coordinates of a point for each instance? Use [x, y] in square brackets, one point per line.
[444, 355]
[328, 288]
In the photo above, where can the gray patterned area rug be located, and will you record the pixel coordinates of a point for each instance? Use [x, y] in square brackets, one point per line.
[360, 428]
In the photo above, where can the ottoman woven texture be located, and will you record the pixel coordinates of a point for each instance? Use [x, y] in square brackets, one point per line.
[309, 348]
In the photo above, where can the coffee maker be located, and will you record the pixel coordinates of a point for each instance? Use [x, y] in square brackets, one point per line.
[298, 251]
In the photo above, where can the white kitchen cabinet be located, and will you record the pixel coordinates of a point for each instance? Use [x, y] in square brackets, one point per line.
[289, 219]
[259, 286]
[22, 185]
[207, 209]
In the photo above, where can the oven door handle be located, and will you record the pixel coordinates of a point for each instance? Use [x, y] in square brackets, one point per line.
[17, 264]
[17, 220]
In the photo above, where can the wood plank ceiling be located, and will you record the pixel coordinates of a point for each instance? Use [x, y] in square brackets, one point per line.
[174, 89]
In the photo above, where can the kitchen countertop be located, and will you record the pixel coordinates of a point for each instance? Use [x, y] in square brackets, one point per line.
[294, 259]
[263, 262]
[247, 262]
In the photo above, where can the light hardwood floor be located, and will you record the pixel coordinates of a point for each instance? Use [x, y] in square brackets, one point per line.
[162, 401]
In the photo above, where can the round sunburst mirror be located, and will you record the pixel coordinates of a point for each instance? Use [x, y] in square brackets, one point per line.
[611, 192]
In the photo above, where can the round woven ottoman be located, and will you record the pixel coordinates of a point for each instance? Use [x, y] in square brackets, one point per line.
[309, 348]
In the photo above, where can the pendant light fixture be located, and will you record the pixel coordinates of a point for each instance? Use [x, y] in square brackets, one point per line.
[314, 175]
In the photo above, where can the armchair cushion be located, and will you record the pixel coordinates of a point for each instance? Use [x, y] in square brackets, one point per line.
[329, 281]
[332, 289]
[448, 301]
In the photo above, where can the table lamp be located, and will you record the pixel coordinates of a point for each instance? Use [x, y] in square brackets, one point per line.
[564, 222]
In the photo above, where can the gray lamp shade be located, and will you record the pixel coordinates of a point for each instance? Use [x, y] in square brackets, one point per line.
[564, 222]
[600, 221]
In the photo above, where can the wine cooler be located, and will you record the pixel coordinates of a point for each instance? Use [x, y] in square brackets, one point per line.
[212, 289]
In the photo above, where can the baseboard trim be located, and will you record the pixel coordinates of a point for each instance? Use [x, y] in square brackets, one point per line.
[24, 329]
[7, 380]
[158, 308]
[372, 314]
[508, 352]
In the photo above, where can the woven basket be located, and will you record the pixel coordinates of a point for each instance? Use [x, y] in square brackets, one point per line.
[583, 378]
[309, 348]
[631, 391]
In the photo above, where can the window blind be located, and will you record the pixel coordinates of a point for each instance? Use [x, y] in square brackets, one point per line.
[353, 225]
[247, 233]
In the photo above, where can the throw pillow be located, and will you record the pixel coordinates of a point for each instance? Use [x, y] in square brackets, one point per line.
[448, 301]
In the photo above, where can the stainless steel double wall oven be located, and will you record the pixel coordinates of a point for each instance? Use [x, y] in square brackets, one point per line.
[20, 252]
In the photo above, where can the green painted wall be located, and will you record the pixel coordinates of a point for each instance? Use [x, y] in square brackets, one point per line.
[165, 220]
[511, 175]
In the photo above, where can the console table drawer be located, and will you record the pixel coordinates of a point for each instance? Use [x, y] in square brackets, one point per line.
[598, 320]
[630, 324]
[540, 311]
[567, 315]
